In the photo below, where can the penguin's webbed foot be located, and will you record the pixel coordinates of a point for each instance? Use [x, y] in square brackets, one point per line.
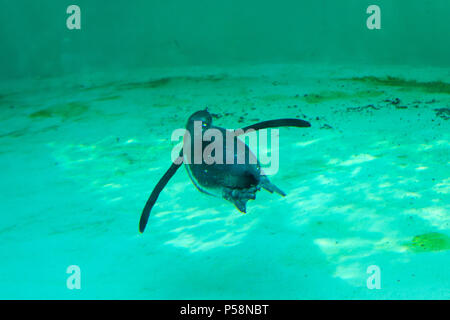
[239, 197]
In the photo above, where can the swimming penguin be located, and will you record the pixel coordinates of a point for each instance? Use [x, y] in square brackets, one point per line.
[229, 170]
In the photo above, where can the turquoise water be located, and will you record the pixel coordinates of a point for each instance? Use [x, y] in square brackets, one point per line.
[86, 121]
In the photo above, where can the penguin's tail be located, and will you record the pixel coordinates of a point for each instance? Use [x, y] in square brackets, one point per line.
[269, 186]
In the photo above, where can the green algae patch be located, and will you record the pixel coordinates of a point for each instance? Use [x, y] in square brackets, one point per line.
[45, 113]
[431, 87]
[276, 98]
[429, 242]
[64, 111]
[108, 98]
[14, 134]
[5, 98]
[157, 83]
[339, 95]
[102, 86]
[166, 81]
[314, 98]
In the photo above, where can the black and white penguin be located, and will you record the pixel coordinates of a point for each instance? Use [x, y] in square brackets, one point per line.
[234, 174]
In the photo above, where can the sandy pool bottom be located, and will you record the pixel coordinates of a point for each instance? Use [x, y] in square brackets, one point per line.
[367, 184]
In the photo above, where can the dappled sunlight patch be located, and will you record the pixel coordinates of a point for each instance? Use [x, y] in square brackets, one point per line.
[225, 240]
[151, 169]
[201, 213]
[353, 273]
[179, 187]
[385, 185]
[402, 194]
[442, 187]
[315, 201]
[343, 209]
[333, 161]
[328, 246]
[357, 187]
[346, 254]
[349, 246]
[376, 223]
[112, 162]
[424, 147]
[207, 235]
[442, 142]
[356, 171]
[162, 213]
[192, 226]
[407, 180]
[438, 217]
[342, 253]
[369, 219]
[321, 179]
[185, 240]
[189, 242]
[112, 185]
[373, 196]
[200, 229]
[382, 143]
[355, 159]
[294, 194]
[306, 143]
[390, 243]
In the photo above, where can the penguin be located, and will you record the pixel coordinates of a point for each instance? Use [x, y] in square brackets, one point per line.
[229, 170]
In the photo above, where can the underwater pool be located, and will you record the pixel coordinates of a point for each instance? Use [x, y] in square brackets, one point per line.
[367, 184]
[86, 119]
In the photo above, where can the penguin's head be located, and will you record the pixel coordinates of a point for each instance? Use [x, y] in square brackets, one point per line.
[204, 116]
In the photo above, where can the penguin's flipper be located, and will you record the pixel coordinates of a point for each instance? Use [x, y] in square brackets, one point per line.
[269, 186]
[276, 123]
[155, 193]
